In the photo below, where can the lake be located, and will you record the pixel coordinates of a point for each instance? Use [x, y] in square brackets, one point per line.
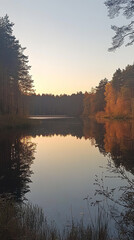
[69, 167]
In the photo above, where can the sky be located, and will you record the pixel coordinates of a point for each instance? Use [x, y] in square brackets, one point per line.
[67, 42]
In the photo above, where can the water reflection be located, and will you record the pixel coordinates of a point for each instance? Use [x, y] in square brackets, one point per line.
[62, 127]
[96, 131]
[118, 144]
[16, 157]
[69, 153]
[115, 138]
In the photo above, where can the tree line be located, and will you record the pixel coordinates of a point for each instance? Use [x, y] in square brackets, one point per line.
[113, 98]
[16, 85]
[15, 80]
[48, 104]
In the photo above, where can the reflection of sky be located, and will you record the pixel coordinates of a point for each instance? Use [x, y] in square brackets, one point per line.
[64, 172]
[67, 42]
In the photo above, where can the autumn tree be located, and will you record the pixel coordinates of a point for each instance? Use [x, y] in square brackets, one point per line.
[110, 98]
[100, 101]
[94, 101]
[88, 104]
[117, 79]
[119, 93]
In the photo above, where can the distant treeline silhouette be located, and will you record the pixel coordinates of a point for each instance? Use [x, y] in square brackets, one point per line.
[47, 104]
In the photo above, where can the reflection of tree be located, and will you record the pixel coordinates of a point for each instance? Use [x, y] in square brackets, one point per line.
[16, 156]
[95, 131]
[119, 142]
[63, 127]
[115, 138]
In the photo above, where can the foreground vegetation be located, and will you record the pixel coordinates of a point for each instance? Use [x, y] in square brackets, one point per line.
[28, 222]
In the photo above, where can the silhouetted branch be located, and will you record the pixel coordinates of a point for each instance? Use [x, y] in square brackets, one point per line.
[126, 8]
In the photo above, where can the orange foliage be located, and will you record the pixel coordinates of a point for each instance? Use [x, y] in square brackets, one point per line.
[88, 129]
[86, 103]
[110, 96]
[100, 114]
[89, 106]
[118, 103]
[117, 133]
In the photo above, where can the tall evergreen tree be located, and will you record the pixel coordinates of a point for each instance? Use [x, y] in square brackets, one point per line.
[15, 80]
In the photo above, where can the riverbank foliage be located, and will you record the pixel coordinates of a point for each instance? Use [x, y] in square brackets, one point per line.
[112, 99]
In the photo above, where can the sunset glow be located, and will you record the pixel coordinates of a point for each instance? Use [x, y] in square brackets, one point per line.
[66, 42]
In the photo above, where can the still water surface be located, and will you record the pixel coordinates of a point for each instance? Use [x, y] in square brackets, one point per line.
[56, 163]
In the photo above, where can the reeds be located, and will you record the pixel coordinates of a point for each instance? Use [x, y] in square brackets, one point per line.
[27, 222]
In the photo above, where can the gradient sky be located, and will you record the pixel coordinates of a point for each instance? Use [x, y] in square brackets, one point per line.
[67, 42]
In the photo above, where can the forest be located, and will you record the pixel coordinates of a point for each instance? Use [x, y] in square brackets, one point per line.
[48, 104]
[15, 80]
[17, 95]
[112, 99]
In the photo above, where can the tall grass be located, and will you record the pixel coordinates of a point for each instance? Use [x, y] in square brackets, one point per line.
[27, 222]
